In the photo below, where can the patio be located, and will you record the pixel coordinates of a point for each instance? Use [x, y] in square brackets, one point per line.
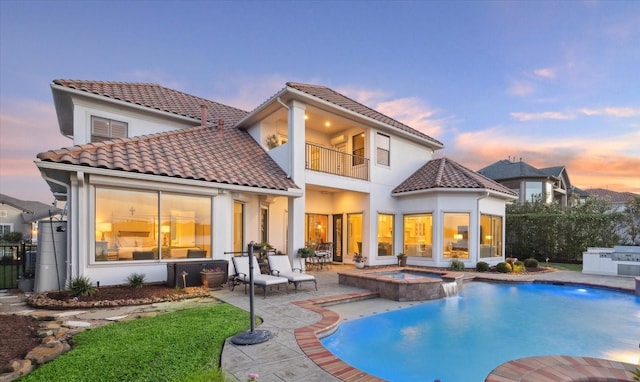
[295, 319]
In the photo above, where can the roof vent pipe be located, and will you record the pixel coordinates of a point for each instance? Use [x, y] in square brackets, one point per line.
[203, 115]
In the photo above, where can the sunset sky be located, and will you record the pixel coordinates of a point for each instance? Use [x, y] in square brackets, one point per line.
[551, 82]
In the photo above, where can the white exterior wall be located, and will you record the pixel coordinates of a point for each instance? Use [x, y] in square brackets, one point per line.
[80, 261]
[139, 123]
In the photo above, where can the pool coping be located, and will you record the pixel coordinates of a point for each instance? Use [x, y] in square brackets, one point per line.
[550, 368]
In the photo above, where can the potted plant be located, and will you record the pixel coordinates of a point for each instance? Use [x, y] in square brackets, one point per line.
[402, 259]
[306, 252]
[212, 278]
[26, 282]
[359, 260]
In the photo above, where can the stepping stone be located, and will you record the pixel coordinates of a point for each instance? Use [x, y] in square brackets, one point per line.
[76, 324]
[24, 312]
[116, 318]
[70, 313]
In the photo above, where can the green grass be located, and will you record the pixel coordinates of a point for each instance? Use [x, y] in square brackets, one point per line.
[563, 266]
[8, 276]
[180, 346]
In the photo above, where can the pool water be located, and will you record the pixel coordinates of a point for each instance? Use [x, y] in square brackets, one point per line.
[463, 338]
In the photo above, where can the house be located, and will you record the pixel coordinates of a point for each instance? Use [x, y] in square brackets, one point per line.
[550, 184]
[22, 216]
[617, 200]
[157, 176]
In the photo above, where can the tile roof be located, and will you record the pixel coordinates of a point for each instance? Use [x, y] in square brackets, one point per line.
[228, 156]
[31, 210]
[612, 196]
[345, 102]
[506, 169]
[159, 98]
[445, 173]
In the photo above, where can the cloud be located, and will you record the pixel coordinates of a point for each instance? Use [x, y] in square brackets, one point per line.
[609, 161]
[28, 128]
[523, 117]
[415, 113]
[520, 88]
[619, 112]
[545, 73]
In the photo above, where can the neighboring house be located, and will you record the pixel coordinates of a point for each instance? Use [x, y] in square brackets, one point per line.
[549, 184]
[158, 175]
[617, 200]
[22, 216]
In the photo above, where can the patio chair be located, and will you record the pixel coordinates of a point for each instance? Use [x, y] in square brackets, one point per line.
[324, 254]
[241, 265]
[279, 265]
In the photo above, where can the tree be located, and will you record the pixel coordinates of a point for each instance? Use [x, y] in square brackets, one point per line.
[12, 237]
[630, 224]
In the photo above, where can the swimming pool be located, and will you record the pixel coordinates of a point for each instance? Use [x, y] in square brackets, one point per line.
[463, 338]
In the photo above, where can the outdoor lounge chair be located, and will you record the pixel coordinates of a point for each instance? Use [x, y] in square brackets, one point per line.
[241, 265]
[279, 265]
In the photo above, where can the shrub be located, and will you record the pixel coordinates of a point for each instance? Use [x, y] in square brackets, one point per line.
[502, 267]
[12, 237]
[518, 267]
[456, 265]
[531, 263]
[81, 286]
[482, 266]
[136, 280]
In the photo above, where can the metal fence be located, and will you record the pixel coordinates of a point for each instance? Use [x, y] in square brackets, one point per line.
[16, 261]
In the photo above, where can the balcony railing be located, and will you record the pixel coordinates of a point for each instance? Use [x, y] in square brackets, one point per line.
[322, 159]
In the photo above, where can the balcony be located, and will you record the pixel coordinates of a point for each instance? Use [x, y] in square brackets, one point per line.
[322, 159]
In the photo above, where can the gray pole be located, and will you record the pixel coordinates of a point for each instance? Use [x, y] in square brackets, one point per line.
[253, 336]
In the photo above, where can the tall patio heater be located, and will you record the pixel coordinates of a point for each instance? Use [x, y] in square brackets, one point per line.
[253, 336]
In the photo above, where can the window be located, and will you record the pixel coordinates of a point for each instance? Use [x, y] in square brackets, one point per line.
[264, 224]
[185, 224]
[238, 224]
[418, 234]
[103, 129]
[533, 191]
[5, 228]
[385, 234]
[456, 235]
[382, 149]
[148, 225]
[354, 233]
[490, 236]
[315, 228]
[357, 142]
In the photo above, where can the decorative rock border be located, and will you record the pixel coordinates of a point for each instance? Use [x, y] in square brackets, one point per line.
[41, 300]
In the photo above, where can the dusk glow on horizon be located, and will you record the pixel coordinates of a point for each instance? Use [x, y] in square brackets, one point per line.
[552, 83]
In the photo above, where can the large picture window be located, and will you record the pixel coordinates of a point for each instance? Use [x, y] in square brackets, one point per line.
[385, 234]
[456, 235]
[490, 236]
[149, 225]
[418, 235]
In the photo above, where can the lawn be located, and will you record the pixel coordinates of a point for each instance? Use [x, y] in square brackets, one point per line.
[563, 266]
[180, 346]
